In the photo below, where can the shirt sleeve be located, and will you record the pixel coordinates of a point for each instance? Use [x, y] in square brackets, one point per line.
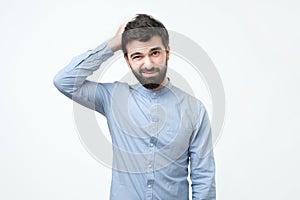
[202, 162]
[71, 80]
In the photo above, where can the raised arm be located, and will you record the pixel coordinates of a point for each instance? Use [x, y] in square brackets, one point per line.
[71, 80]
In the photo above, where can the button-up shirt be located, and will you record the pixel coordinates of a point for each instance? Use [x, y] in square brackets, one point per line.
[156, 134]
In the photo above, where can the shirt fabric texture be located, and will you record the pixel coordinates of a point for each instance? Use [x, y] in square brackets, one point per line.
[156, 134]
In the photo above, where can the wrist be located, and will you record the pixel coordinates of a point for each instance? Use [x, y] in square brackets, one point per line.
[115, 43]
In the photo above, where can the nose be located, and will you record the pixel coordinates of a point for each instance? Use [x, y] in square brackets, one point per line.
[148, 64]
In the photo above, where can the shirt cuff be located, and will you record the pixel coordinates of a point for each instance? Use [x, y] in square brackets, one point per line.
[104, 48]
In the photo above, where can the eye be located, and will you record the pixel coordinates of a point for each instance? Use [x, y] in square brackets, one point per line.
[155, 53]
[136, 57]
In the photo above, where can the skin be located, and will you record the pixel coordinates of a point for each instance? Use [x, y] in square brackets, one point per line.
[147, 60]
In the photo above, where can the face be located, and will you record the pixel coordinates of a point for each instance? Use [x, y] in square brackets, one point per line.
[148, 61]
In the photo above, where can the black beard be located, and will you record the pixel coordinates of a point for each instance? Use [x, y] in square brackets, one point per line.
[151, 86]
[152, 82]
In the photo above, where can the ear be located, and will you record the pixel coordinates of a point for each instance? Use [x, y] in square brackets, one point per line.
[127, 61]
[168, 52]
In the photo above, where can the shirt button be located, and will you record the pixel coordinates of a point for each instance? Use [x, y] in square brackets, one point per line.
[154, 93]
[150, 183]
[151, 144]
[149, 165]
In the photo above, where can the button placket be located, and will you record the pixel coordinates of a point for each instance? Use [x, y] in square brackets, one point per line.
[150, 169]
[152, 143]
[155, 115]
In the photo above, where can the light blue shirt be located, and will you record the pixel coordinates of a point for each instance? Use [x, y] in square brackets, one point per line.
[155, 135]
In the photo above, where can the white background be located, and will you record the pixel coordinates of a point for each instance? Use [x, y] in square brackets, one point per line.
[254, 44]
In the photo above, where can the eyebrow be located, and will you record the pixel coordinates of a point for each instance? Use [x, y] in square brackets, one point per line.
[139, 53]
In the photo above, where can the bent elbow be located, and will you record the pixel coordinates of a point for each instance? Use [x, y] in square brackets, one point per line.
[57, 81]
[60, 83]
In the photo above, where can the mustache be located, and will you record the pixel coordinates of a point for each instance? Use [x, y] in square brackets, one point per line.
[152, 69]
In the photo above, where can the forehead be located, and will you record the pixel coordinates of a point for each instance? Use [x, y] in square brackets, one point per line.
[138, 46]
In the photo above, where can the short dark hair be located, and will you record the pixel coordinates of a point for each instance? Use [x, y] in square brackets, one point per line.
[142, 28]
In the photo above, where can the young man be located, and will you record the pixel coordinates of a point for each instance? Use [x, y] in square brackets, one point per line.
[157, 130]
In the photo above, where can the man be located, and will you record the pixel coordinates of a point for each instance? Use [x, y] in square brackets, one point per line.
[157, 130]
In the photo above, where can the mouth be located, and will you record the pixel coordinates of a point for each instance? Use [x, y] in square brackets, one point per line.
[149, 73]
